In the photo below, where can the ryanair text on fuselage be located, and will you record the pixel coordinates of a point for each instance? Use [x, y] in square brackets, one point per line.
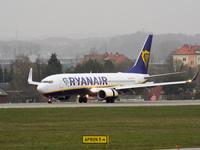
[79, 81]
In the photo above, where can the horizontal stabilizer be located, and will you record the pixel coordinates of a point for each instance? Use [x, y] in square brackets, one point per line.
[165, 74]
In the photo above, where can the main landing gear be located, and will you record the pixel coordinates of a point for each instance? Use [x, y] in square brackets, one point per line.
[82, 98]
[110, 101]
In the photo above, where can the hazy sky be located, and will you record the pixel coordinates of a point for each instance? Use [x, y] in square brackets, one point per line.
[37, 18]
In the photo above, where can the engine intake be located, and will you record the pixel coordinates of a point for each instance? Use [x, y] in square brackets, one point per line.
[107, 94]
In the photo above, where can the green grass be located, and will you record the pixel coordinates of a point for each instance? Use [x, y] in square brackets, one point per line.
[128, 127]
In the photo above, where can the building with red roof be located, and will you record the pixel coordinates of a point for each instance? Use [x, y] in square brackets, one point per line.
[115, 58]
[189, 54]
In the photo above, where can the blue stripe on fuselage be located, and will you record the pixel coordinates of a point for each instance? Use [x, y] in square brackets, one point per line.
[67, 92]
[74, 91]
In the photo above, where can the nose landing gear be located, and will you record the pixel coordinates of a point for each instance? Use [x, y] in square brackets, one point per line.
[49, 101]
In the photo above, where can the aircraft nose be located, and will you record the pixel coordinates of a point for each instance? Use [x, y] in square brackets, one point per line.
[41, 88]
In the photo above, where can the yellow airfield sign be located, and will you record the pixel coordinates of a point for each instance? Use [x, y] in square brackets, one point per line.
[95, 139]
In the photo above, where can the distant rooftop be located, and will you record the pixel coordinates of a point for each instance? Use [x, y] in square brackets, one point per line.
[115, 58]
[188, 50]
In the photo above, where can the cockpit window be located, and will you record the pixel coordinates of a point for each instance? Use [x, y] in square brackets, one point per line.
[47, 82]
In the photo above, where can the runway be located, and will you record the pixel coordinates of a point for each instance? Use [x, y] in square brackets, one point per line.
[100, 104]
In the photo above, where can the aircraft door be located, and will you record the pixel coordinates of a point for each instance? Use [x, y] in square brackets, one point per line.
[61, 84]
[64, 83]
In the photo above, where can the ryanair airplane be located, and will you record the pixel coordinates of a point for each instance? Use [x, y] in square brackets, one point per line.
[106, 86]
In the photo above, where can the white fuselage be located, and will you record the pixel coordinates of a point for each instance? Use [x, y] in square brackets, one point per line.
[70, 84]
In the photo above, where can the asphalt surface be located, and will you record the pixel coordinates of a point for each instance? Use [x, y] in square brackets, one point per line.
[100, 104]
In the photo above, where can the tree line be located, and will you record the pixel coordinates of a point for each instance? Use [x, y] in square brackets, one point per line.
[14, 77]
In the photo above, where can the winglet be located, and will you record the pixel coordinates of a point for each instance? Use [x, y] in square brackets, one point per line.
[30, 81]
[195, 76]
[30, 76]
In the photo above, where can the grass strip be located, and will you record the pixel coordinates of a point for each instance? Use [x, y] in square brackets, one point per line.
[128, 127]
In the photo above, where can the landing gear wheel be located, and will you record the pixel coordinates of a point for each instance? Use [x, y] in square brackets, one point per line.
[85, 99]
[110, 101]
[107, 101]
[82, 99]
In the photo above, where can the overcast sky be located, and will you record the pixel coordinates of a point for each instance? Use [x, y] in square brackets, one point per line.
[37, 18]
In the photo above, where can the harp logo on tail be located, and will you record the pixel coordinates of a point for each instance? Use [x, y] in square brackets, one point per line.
[145, 57]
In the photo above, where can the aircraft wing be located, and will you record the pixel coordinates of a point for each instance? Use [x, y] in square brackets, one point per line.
[151, 84]
[30, 81]
[148, 84]
[33, 83]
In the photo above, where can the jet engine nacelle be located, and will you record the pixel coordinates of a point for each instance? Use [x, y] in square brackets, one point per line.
[107, 94]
